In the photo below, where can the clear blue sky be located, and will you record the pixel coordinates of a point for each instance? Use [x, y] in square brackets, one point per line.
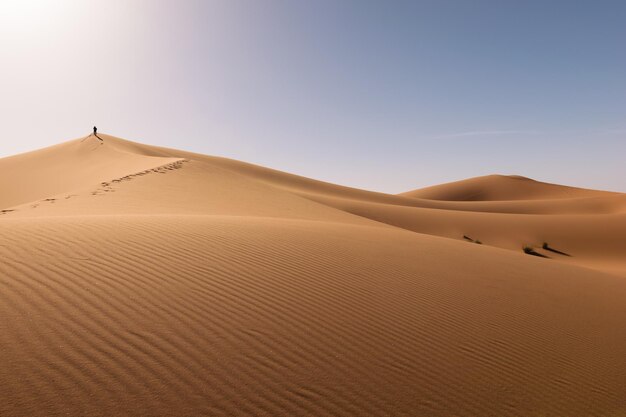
[383, 95]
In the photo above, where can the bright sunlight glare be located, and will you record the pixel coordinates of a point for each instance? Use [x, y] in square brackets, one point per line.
[29, 17]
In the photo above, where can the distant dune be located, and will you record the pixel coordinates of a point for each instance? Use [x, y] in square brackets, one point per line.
[144, 281]
[501, 188]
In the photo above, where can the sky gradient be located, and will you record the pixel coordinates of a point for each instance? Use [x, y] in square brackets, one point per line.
[381, 95]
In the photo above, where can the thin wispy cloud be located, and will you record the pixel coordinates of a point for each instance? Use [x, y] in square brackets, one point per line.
[478, 133]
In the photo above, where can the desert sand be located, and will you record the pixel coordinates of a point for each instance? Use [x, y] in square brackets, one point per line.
[143, 281]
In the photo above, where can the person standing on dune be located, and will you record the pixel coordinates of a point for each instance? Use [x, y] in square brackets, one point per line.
[95, 133]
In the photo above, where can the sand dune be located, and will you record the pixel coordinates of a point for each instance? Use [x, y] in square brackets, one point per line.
[65, 167]
[139, 280]
[500, 187]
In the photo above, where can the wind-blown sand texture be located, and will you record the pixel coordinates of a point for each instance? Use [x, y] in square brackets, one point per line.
[143, 281]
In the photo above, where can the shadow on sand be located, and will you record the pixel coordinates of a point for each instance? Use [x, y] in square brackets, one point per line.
[93, 134]
[547, 247]
[530, 251]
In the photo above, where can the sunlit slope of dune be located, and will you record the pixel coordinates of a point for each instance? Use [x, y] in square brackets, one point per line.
[183, 188]
[86, 161]
[526, 192]
[62, 168]
[240, 315]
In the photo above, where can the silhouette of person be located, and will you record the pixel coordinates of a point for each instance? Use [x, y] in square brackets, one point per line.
[95, 133]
